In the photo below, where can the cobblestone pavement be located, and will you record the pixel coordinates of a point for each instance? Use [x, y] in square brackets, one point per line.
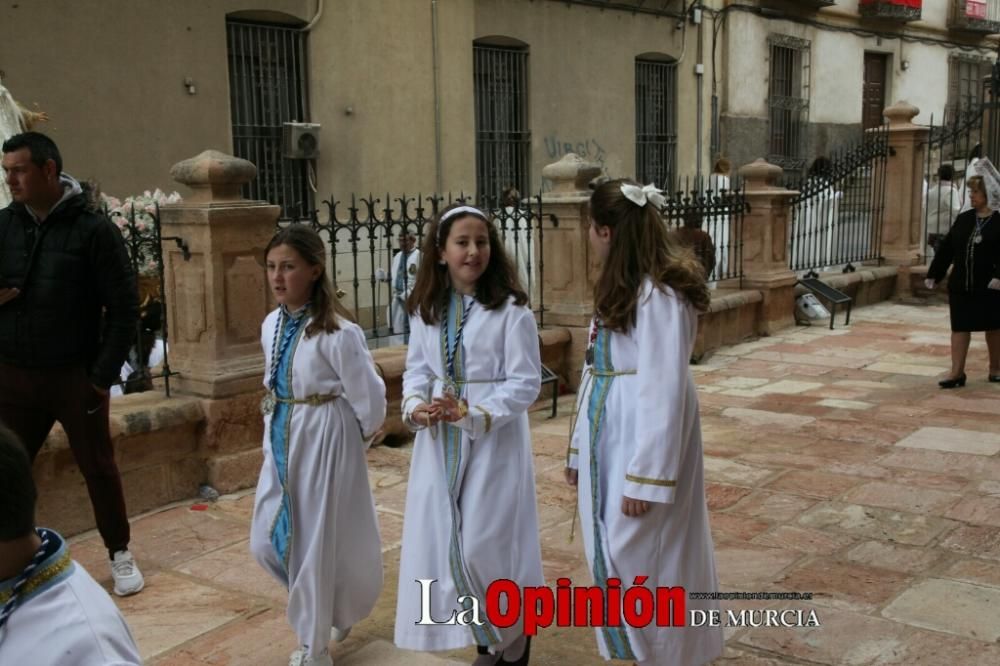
[834, 465]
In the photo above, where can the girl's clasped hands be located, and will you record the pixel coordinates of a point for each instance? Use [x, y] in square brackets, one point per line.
[446, 408]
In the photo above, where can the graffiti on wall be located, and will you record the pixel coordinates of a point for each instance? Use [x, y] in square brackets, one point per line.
[588, 149]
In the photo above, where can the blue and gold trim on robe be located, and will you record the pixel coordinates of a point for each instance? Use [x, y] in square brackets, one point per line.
[55, 568]
[451, 438]
[615, 638]
[281, 426]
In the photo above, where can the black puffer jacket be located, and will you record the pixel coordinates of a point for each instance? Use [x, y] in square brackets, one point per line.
[78, 304]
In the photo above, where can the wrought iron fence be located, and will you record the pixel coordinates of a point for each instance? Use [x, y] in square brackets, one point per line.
[148, 358]
[718, 211]
[952, 148]
[838, 214]
[365, 266]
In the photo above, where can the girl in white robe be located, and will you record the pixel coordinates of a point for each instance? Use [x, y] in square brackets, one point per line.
[472, 372]
[636, 452]
[314, 527]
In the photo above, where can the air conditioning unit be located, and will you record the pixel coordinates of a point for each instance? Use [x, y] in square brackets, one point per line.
[300, 141]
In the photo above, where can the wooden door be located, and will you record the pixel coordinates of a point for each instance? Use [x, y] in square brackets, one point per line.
[873, 95]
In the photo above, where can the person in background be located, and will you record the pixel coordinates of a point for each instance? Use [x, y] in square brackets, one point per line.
[720, 184]
[943, 201]
[401, 278]
[515, 228]
[69, 306]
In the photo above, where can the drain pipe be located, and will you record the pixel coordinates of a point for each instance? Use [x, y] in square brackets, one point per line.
[316, 16]
[438, 182]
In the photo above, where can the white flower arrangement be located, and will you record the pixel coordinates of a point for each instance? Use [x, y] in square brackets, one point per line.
[139, 213]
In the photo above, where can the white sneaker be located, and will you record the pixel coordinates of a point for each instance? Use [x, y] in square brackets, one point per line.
[338, 635]
[124, 570]
[301, 658]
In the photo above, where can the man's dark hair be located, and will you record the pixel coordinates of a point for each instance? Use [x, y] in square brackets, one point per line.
[946, 172]
[17, 488]
[41, 147]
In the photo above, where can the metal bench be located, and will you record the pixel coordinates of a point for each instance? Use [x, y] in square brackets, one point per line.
[833, 296]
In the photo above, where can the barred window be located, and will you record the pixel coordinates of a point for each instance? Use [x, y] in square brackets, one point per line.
[965, 84]
[788, 101]
[503, 138]
[267, 88]
[656, 122]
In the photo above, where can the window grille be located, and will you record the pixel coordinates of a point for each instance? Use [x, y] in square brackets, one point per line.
[788, 102]
[965, 85]
[267, 87]
[656, 122]
[503, 137]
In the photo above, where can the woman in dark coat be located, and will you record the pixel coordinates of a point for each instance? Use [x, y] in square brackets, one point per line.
[972, 249]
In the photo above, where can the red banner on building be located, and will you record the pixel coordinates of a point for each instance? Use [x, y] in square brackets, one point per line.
[915, 4]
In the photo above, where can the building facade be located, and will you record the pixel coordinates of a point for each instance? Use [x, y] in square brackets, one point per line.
[800, 79]
[411, 95]
[472, 96]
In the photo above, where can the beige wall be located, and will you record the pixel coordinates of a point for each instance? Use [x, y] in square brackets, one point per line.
[581, 88]
[111, 72]
[582, 78]
[377, 65]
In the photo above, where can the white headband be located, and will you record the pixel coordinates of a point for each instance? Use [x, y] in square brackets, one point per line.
[462, 209]
[640, 195]
[468, 210]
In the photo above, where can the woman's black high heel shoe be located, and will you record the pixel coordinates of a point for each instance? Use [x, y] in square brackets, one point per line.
[952, 383]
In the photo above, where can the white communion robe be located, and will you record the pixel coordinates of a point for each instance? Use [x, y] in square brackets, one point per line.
[321, 540]
[518, 237]
[638, 435]
[471, 516]
[396, 310]
[717, 225]
[65, 619]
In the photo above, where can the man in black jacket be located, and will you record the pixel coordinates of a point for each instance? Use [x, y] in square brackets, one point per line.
[68, 312]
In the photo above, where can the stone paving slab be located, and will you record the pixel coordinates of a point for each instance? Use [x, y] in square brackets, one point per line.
[954, 440]
[834, 465]
[958, 608]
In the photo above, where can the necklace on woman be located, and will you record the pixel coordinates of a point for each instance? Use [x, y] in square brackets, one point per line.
[980, 223]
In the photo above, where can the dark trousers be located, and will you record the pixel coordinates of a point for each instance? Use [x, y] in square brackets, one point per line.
[33, 399]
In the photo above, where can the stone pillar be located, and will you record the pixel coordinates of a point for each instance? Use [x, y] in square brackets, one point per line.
[216, 302]
[904, 186]
[765, 245]
[569, 265]
[217, 299]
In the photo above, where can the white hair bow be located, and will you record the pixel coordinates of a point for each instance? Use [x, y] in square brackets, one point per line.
[640, 195]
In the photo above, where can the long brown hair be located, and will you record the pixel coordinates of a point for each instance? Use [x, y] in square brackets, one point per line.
[497, 283]
[324, 306]
[640, 247]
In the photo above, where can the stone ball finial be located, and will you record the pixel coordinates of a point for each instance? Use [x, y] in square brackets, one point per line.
[760, 174]
[571, 175]
[214, 176]
[901, 114]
